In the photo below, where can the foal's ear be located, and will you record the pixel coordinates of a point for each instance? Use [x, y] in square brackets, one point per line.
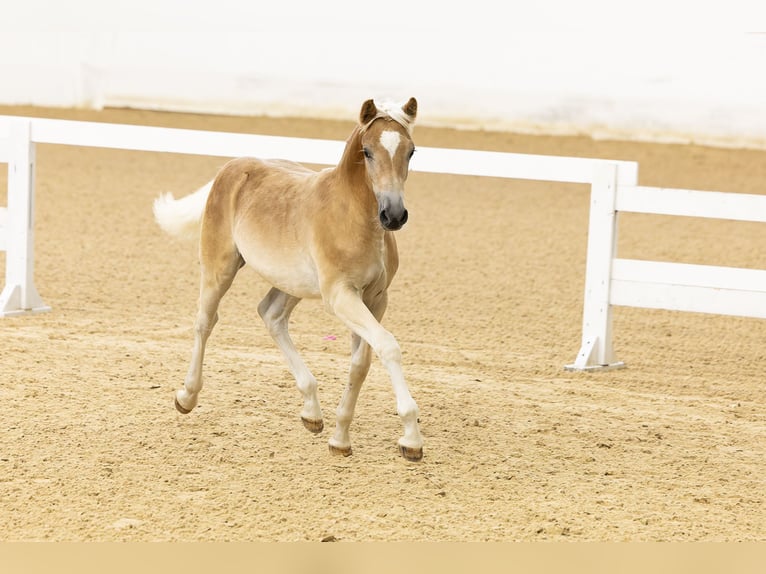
[368, 113]
[411, 109]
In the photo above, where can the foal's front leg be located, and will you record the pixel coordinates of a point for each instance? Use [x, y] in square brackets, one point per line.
[349, 307]
[340, 442]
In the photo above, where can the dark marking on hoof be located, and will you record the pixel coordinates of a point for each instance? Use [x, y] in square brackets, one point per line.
[181, 409]
[340, 451]
[312, 425]
[411, 454]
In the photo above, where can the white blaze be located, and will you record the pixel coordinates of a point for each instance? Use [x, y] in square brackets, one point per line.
[390, 141]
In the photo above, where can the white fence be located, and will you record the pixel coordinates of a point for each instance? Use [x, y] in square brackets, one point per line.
[609, 281]
[18, 137]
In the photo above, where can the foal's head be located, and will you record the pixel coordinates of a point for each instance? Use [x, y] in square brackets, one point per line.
[386, 146]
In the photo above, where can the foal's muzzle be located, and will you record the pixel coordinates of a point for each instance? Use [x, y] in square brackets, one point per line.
[391, 210]
[393, 221]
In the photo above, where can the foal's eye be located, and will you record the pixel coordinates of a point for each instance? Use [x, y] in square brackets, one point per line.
[412, 152]
[367, 153]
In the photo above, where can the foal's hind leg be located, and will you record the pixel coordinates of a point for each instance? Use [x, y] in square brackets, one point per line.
[275, 311]
[217, 273]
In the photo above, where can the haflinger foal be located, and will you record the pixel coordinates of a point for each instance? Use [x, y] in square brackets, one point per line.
[312, 234]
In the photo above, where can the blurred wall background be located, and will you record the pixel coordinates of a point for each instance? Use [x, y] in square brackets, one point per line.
[671, 70]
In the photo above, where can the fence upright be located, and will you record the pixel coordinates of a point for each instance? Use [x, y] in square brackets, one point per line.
[20, 294]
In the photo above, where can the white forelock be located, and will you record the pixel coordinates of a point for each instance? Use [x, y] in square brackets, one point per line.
[395, 111]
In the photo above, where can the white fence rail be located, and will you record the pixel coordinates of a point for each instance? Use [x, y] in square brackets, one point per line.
[685, 287]
[325, 152]
[612, 281]
[18, 137]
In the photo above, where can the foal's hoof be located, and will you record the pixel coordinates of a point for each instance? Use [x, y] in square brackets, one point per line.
[180, 409]
[314, 426]
[411, 454]
[341, 451]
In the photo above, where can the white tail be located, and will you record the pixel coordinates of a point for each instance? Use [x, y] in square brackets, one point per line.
[180, 217]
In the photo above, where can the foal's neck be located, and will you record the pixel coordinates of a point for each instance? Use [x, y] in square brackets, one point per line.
[350, 177]
[351, 165]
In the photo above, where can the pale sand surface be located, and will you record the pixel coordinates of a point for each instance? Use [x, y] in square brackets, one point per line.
[487, 309]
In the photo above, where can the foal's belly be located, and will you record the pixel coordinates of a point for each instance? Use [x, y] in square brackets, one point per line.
[292, 273]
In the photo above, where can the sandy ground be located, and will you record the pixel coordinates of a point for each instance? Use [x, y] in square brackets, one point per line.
[487, 309]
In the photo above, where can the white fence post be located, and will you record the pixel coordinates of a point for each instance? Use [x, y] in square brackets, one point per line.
[19, 294]
[596, 350]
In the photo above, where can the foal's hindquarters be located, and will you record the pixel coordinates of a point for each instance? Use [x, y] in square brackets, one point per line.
[291, 248]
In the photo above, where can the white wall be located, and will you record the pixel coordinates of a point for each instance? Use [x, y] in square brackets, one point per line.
[650, 69]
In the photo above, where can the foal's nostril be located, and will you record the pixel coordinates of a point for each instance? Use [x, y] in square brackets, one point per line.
[405, 216]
